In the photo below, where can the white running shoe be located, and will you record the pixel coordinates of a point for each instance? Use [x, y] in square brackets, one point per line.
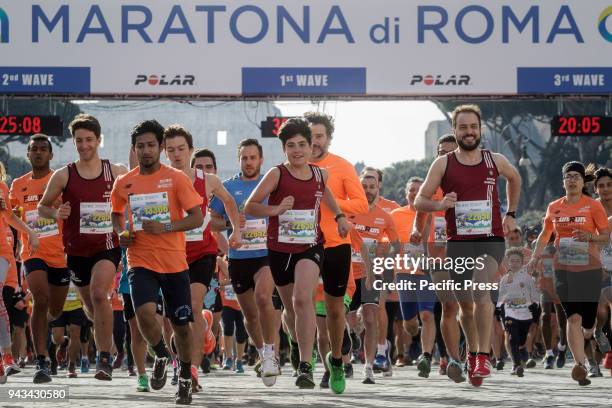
[270, 369]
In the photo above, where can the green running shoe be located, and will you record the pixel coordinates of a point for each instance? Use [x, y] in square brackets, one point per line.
[337, 383]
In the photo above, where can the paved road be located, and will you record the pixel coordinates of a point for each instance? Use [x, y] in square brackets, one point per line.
[539, 388]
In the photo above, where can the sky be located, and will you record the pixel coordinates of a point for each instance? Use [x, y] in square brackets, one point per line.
[376, 132]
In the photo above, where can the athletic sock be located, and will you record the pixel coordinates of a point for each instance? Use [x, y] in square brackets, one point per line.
[185, 369]
[549, 353]
[381, 349]
[161, 350]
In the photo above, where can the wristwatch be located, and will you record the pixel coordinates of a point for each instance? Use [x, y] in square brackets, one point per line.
[168, 227]
[511, 214]
[338, 216]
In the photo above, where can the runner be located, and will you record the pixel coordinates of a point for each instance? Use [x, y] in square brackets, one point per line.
[201, 246]
[581, 227]
[7, 262]
[249, 268]
[295, 241]
[382, 202]
[468, 177]
[157, 197]
[91, 246]
[348, 193]
[603, 188]
[518, 302]
[367, 243]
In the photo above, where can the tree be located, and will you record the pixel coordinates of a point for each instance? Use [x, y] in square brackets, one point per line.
[397, 175]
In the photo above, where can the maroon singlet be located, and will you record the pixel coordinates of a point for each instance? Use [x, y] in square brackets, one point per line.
[78, 190]
[307, 195]
[208, 244]
[472, 183]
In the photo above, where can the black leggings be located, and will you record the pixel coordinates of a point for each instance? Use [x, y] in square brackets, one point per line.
[439, 338]
[119, 330]
[518, 330]
[231, 318]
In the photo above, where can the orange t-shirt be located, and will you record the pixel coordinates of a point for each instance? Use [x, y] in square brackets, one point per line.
[370, 228]
[344, 183]
[586, 215]
[403, 218]
[228, 297]
[11, 276]
[26, 192]
[162, 196]
[6, 251]
[387, 205]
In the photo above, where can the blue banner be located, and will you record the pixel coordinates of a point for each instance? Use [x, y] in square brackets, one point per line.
[304, 81]
[37, 80]
[564, 80]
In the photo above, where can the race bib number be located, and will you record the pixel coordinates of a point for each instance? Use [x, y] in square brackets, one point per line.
[72, 293]
[439, 229]
[473, 217]
[606, 257]
[197, 234]
[229, 293]
[152, 207]
[44, 227]
[573, 252]
[96, 218]
[297, 227]
[254, 235]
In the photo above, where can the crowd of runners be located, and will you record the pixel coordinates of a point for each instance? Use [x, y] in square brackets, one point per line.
[169, 271]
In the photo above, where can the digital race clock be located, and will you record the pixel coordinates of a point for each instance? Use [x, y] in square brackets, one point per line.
[28, 125]
[583, 125]
[271, 126]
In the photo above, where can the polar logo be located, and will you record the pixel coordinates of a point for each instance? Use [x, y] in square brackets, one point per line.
[440, 80]
[165, 80]
[4, 26]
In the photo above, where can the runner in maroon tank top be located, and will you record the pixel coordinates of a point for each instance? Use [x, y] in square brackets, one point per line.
[474, 227]
[201, 246]
[91, 246]
[295, 191]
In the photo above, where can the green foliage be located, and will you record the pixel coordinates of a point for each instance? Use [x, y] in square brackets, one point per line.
[396, 176]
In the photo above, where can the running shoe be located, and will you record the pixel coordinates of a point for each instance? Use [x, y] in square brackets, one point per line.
[500, 365]
[71, 371]
[104, 371]
[483, 366]
[424, 366]
[325, 380]
[53, 366]
[205, 366]
[21, 362]
[269, 369]
[594, 370]
[470, 367]
[400, 361]
[602, 341]
[561, 358]
[549, 362]
[195, 381]
[337, 381]
[118, 361]
[257, 369]
[443, 366]
[84, 365]
[183, 394]
[239, 368]
[62, 351]
[131, 371]
[41, 375]
[143, 383]
[2, 374]
[304, 379]
[368, 376]
[531, 363]
[607, 361]
[348, 370]
[10, 367]
[518, 370]
[229, 364]
[381, 361]
[579, 374]
[160, 375]
[454, 371]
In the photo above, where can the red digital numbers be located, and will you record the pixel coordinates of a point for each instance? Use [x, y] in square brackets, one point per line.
[591, 125]
[277, 123]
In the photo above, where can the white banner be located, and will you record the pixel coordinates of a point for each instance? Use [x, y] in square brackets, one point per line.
[288, 48]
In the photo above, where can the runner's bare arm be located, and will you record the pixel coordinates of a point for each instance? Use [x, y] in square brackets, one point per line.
[218, 190]
[513, 185]
[217, 221]
[329, 200]
[118, 169]
[542, 240]
[54, 190]
[423, 201]
[253, 205]
[17, 223]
